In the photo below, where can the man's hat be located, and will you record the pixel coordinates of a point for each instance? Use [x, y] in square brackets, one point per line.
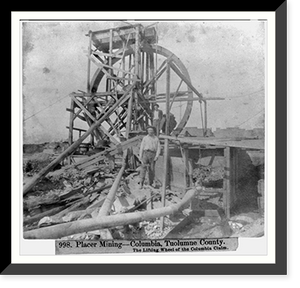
[156, 105]
[151, 127]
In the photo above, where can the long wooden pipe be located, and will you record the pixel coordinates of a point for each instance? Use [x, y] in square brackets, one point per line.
[80, 226]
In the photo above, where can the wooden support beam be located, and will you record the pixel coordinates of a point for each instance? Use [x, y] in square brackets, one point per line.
[97, 94]
[205, 118]
[111, 196]
[186, 80]
[129, 116]
[183, 93]
[87, 112]
[147, 67]
[142, 66]
[109, 200]
[176, 93]
[73, 95]
[71, 123]
[137, 53]
[30, 184]
[77, 129]
[96, 133]
[121, 78]
[110, 71]
[227, 182]
[155, 77]
[102, 66]
[188, 166]
[113, 55]
[230, 179]
[89, 63]
[129, 66]
[166, 144]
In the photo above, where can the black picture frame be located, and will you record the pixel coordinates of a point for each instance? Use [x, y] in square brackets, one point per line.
[280, 266]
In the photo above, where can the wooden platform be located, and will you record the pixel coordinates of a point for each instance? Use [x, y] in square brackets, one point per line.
[257, 144]
[101, 39]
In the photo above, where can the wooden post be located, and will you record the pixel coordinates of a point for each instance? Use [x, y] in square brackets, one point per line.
[71, 122]
[166, 145]
[205, 119]
[142, 66]
[129, 68]
[89, 63]
[188, 167]
[137, 71]
[227, 182]
[152, 72]
[147, 67]
[110, 58]
[234, 174]
[129, 116]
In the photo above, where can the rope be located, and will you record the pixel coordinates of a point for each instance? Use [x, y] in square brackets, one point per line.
[251, 117]
[246, 95]
[45, 108]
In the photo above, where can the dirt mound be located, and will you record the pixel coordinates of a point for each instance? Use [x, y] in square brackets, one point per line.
[35, 162]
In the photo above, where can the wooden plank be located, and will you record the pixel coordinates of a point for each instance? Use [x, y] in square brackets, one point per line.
[256, 144]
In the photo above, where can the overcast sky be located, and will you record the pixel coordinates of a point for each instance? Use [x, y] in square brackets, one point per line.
[224, 59]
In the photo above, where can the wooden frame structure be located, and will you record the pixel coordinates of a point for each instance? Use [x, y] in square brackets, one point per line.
[123, 56]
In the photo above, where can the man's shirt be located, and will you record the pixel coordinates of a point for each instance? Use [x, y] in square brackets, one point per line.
[156, 115]
[150, 143]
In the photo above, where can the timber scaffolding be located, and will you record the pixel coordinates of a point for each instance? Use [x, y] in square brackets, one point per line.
[127, 72]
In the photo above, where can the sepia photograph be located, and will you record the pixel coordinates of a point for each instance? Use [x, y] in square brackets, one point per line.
[143, 136]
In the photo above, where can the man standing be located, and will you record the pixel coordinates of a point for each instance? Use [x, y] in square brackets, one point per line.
[149, 152]
[157, 116]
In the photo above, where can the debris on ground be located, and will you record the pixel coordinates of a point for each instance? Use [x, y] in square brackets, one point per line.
[77, 191]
